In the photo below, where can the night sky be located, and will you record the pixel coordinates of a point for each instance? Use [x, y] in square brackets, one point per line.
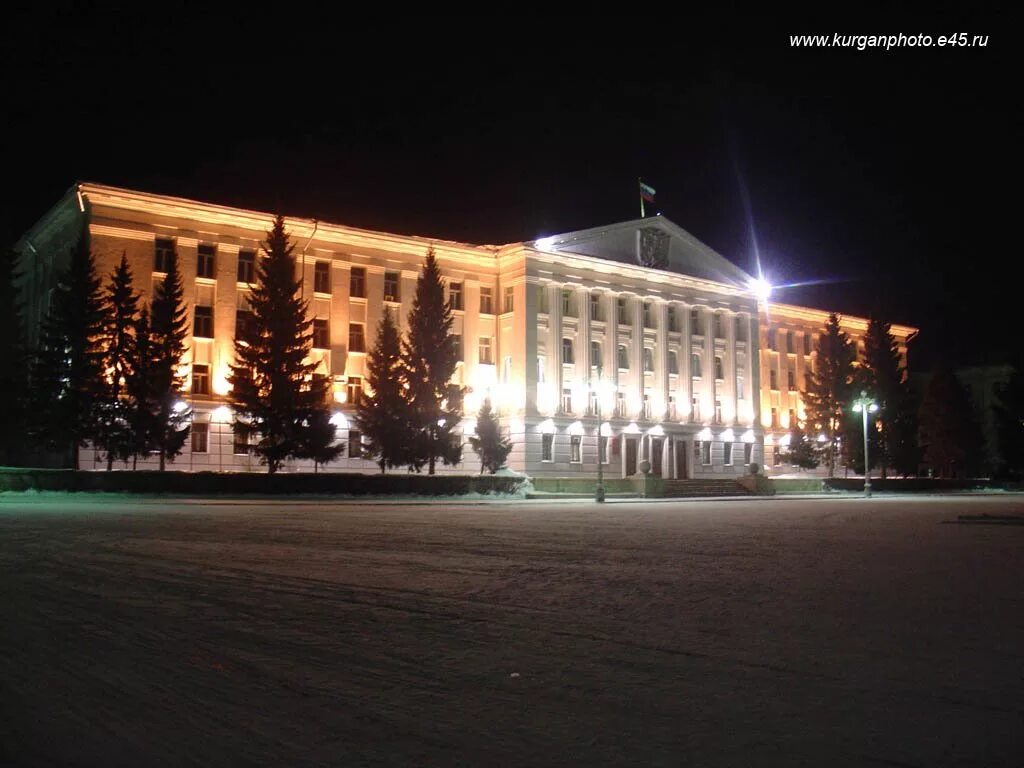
[891, 175]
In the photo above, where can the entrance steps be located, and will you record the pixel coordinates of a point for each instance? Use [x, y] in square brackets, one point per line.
[701, 488]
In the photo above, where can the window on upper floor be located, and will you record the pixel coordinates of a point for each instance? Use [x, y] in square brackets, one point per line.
[566, 400]
[322, 277]
[542, 299]
[568, 356]
[484, 354]
[719, 326]
[648, 315]
[206, 255]
[508, 303]
[695, 366]
[790, 346]
[695, 328]
[200, 433]
[673, 363]
[356, 337]
[648, 360]
[203, 325]
[595, 354]
[357, 283]
[321, 334]
[595, 306]
[455, 295]
[567, 308]
[791, 380]
[391, 287]
[486, 300]
[719, 369]
[164, 253]
[354, 390]
[200, 379]
[623, 357]
[457, 346]
[741, 329]
[622, 306]
[807, 343]
[773, 379]
[246, 266]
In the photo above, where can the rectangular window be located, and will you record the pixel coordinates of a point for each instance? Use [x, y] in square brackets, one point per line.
[695, 323]
[203, 327]
[695, 406]
[792, 418]
[457, 345]
[594, 405]
[718, 411]
[246, 266]
[163, 255]
[547, 447]
[355, 444]
[773, 378]
[542, 300]
[648, 315]
[775, 418]
[705, 453]
[719, 369]
[623, 357]
[484, 351]
[391, 287]
[356, 337]
[595, 354]
[648, 360]
[771, 339]
[486, 300]
[595, 306]
[741, 329]
[807, 343]
[354, 390]
[244, 324]
[790, 347]
[568, 358]
[455, 295]
[695, 365]
[508, 300]
[727, 454]
[200, 436]
[739, 386]
[567, 304]
[321, 334]
[620, 403]
[576, 449]
[623, 312]
[748, 452]
[200, 379]
[719, 330]
[673, 319]
[567, 400]
[357, 283]
[672, 408]
[646, 407]
[322, 277]
[673, 363]
[205, 259]
[791, 378]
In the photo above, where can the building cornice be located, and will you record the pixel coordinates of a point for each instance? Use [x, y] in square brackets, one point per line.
[820, 317]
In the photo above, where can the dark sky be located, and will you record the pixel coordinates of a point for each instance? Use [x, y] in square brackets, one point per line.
[891, 174]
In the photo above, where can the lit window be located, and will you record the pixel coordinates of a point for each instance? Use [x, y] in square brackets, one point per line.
[391, 287]
[719, 373]
[567, 352]
[623, 311]
[695, 366]
[695, 322]
[673, 363]
[357, 283]
[595, 354]
[773, 379]
[595, 306]
[246, 266]
[567, 400]
[455, 295]
[322, 277]
[163, 255]
[791, 377]
[356, 337]
[486, 300]
[484, 351]
[576, 449]
[547, 447]
[321, 334]
[648, 360]
[648, 315]
[508, 304]
[203, 327]
[200, 379]
[623, 358]
[200, 436]
[354, 390]
[205, 260]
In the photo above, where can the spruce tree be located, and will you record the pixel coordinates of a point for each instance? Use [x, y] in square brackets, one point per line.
[119, 344]
[488, 442]
[951, 440]
[68, 378]
[319, 439]
[801, 452]
[168, 331]
[1009, 417]
[886, 380]
[382, 412]
[142, 402]
[827, 388]
[274, 392]
[13, 374]
[429, 357]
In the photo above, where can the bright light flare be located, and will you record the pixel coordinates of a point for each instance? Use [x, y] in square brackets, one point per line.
[761, 288]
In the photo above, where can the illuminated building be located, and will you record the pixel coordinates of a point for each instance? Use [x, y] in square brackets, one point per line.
[682, 341]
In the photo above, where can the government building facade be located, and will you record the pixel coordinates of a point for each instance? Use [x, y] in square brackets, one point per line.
[636, 333]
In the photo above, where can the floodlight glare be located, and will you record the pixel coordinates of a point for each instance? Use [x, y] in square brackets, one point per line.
[760, 288]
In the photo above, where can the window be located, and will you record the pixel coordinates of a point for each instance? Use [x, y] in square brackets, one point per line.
[727, 454]
[576, 449]
[484, 351]
[705, 453]
[595, 354]
[567, 303]
[357, 283]
[648, 360]
[719, 372]
[321, 334]
[486, 300]
[672, 407]
[775, 418]
[455, 295]
[542, 300]
[240, 443]
[719, 331]
[623, 311]
[790, 346]
[541, 365]
[648, 315]
[508, 300]
[695, 322]
[203, 327]
[739, 386]
[566, 400]
[748, 452]
[673, 319]
[792, 418]
[457, 346]
[164, 255]
[322, 277]
[567, 352]
[773, 378]
[355, 444]
[244, 324]
[354, 390]
[205, 260]
[595, 306]
[620, 403]
[673, 363]
[200, 436]
[391, 287]
[741, 329]
[356, 337]
[646, 406]
[718, 411]
[547, 447]
[791, 378]
[246, 266]
[695, 408]
[807, 343]
[695, 366]
[200, 379]
[771, 339]
[594, 406]
[623, 358]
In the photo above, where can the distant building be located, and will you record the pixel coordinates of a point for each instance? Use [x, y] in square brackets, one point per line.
[638, 321]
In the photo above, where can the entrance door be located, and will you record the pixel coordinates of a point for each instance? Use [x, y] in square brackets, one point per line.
[681, 453]
[631, 445]
[656, 446]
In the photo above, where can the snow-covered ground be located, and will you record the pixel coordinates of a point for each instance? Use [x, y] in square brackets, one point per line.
[822, 631]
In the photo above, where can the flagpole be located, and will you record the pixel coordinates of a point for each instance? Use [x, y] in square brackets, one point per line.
[640, 189]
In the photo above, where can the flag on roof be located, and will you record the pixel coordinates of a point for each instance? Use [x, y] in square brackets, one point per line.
[647, 193]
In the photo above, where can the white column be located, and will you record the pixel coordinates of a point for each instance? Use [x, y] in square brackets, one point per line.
[554, 359]
[730, 366]
[661, 359]
[637, 313]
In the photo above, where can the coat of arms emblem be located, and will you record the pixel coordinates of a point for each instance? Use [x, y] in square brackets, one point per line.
[652, 247]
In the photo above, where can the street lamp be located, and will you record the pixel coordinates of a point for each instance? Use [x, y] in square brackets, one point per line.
[864, 405]
[599, 491]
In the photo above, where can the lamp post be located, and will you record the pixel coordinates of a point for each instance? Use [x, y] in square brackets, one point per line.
[864, 405]
[599, 491]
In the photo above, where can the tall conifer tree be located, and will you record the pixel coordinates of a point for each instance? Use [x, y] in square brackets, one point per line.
[429, 356]
[827, 391]
[885, 379]
[142, 402]
[488, 442]
[951, 440]
[1009, 417]
[168, 332]
[274, 392]
[119, 344]
[68, 377]
[382, 412]
[13, 372]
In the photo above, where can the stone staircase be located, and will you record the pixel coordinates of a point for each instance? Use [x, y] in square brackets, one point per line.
[699, 488]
